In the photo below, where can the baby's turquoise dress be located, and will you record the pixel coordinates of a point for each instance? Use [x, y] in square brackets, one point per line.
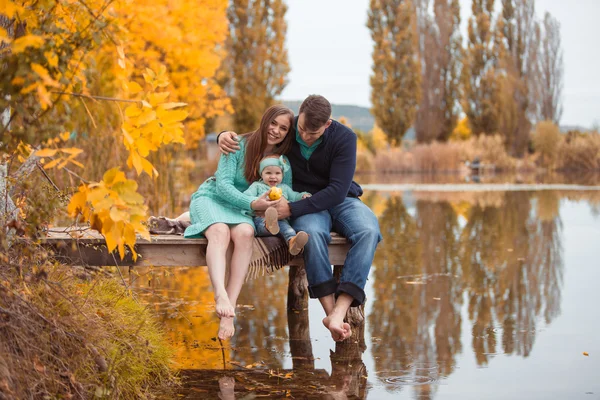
[221, 199]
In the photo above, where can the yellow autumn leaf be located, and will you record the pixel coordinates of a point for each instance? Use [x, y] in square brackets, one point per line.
[147, 116]
[118, 215]
[157, 98]
[143, 147]
[72, 150]
[113, 176]
[18, 81]
[10, 8]
[4, 36]
[111, 237]
[168, 117]
[134, 87]
[168, 106]
[133, 111]
[128, 192]
[43, 97]
[104, 204]
[65, 136]
[120, 52]
[149, 168]
[44, 74]
[52, 163]
[20, 44]
[46, 152]
[127, 139]
[121, 247]
[77, 203]
[52, 58]
[135, 160]
[80, 165]
[63, 163]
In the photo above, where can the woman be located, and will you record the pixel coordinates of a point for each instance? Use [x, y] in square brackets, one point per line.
[221, 212]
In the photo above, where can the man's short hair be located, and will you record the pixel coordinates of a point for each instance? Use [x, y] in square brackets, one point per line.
[317, 112]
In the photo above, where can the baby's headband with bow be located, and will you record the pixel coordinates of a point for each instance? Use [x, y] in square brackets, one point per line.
[280, 162]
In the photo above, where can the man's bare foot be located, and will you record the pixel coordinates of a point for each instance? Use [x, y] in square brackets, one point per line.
[223, 307]
[226, 328]
[339, 329]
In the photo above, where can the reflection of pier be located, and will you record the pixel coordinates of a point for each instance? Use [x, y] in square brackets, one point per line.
[348, 374]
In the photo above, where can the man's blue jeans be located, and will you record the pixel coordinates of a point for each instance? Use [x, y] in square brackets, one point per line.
[285, 229]
[354, 220]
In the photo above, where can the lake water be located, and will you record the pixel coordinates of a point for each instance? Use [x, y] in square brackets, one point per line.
[476, 294]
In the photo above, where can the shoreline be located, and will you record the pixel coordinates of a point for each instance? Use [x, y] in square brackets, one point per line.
[473, 187]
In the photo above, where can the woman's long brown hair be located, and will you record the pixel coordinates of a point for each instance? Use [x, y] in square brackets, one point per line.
[256, 142]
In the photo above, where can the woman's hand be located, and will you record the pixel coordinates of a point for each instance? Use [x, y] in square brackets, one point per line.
[263, 202]
[228, 142]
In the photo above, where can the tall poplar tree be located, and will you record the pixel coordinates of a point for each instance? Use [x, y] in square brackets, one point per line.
[518, 42]
[395, 82]
[440, 48]
[257, 59]
[551, 68]
[479, 76]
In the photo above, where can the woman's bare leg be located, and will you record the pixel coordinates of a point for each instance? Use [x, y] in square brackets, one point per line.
[184, 217]
[218, 240]
[242, 236]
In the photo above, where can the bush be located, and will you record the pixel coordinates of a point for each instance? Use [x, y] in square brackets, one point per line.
[580, 153]
[546, 140]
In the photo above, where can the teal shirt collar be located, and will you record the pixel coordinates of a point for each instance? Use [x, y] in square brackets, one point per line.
[305, 149]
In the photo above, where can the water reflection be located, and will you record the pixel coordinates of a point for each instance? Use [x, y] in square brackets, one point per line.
[501, 252]
[490, 264]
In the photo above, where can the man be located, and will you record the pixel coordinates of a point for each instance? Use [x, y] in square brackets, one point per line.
[323, 160]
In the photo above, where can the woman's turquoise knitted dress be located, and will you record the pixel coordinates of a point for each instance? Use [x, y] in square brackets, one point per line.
[220, 197]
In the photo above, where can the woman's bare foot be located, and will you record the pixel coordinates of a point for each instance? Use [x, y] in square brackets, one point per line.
[226, 328]
[339, 329]
[226, 388]
[223, 307]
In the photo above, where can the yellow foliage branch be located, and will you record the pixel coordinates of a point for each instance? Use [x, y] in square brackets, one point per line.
[114, 208]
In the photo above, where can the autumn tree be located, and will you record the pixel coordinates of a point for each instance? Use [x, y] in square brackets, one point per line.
[479, 74]
[396, 78]
[52, 69]
[189, 44]
[440, 50]
[518, 49]
[550, 79]
[256, 67]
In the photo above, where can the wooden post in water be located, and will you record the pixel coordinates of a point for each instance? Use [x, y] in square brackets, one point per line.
[297, 289]
[300, 344]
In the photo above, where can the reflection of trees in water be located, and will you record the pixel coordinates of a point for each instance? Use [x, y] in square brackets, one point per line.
[263, 329]
[419, 324]
[513, 261]
[506, 258]
[394, 320]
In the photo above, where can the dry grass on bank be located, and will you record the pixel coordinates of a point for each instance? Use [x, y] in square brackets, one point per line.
[441, 157]
[579, 153]
[65, 333]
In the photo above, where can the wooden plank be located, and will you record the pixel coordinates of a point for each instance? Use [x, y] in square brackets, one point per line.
[89, 248]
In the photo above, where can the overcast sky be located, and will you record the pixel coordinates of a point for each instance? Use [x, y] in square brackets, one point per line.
[330, 47]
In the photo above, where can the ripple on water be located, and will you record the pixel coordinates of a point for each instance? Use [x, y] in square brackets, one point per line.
[410, 380]
[419, 373]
